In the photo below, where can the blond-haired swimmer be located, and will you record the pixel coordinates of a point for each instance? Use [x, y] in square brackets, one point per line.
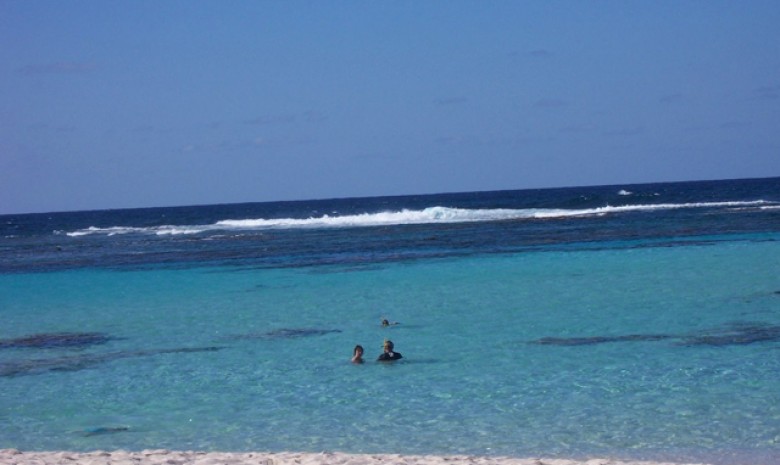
[389, 355]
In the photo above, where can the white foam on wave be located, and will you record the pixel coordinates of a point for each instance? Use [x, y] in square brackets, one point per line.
[119, 230]
[431, 215]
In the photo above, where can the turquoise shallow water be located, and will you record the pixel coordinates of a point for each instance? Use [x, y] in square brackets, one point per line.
[475, 378]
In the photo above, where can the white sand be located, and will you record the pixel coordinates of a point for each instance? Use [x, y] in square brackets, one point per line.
[166, 457]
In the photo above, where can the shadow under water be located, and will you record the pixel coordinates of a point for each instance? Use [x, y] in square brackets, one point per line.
[55, 340]
[102, 430]
[734, 334]
[285, 333]
[84, 361]
[738, 334]
[581, 341]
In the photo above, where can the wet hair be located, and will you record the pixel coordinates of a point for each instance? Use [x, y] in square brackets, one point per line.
[389, 344]
[354, 351]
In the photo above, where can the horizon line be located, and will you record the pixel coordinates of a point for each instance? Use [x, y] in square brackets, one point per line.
[325, 199]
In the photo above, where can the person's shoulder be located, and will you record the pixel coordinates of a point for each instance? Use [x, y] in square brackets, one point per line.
[387, 357]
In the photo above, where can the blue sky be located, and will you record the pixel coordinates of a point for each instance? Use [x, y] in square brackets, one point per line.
[113, 104]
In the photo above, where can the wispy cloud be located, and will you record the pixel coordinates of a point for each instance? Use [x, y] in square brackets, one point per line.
[458, 140]
[314, 117]
[734, 125]
[671, 98]
[550, 103]
[62, 67]
[578, 128]
[227, 145]
[536, 54]
[450, 101]
[271, 119]
[540, 53]
[767, 93]
[288, 118]
[46, 127]
[625, 132]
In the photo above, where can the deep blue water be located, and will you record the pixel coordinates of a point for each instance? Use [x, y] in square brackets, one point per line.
[361, 231]
[634, 321]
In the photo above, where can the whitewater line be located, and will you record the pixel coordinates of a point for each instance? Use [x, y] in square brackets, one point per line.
[431, 215]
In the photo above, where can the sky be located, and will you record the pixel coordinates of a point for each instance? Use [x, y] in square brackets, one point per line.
[123, 104]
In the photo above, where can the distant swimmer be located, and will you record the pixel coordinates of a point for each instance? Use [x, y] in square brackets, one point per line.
[387, 323]
[389, 355]
[357, 354]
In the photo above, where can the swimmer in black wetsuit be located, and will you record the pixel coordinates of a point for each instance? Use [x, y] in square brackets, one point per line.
[389, 355]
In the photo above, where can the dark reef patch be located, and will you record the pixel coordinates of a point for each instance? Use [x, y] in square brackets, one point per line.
[582, 341]
[733, 334]
[55, 340]
[737, 334]
[84, 361]
[101, 430]
[286, 333]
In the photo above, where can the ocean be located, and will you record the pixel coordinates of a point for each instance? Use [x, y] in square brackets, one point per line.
[630, 321]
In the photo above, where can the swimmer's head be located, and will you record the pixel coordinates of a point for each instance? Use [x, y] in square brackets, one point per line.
[358, 350]
[388, 345]
[385, 323]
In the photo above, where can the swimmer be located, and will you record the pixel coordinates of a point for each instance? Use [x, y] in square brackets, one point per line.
[357, 354]
[389, 355]
[387, 323]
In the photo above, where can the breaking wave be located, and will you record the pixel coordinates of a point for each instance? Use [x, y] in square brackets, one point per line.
[429, 215]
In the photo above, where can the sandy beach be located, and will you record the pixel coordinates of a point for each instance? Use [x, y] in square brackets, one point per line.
[167, 457]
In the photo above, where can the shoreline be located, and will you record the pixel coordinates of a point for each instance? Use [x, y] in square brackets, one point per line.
[169, 457]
